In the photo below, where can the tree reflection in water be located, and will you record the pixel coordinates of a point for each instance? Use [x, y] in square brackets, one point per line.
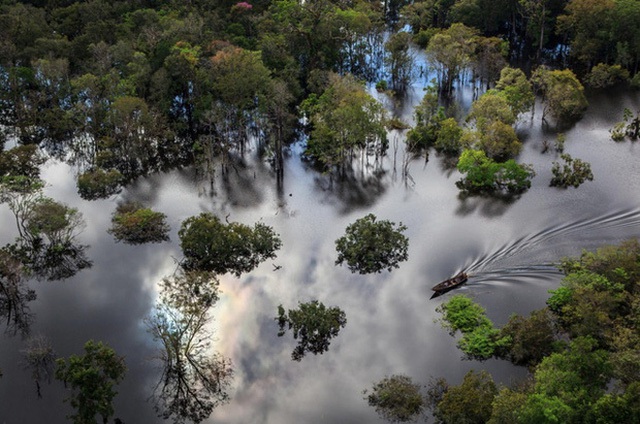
[15, 294]
[39, 357]
[194, 381]
[47, 236]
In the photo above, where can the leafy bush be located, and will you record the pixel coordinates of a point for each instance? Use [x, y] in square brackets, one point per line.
[396, 399]
[370, 247]
[210, 245]
[99, 184]
[572, 172]
[133, 224]
[313, 325]
[484, 175]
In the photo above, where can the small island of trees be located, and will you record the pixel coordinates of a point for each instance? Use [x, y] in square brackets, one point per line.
[122, 90]
[371, 246]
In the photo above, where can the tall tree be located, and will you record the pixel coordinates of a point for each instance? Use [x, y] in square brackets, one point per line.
[345, 120]
[452, 50]
[396, 399]
[92, 378]
[562, 93]
[399, 61]
[313, 325]
[587, 23]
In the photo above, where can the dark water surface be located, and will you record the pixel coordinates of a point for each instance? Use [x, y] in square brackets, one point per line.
[508, 248]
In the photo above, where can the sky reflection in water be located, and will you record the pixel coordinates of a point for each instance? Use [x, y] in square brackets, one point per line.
[508, 247]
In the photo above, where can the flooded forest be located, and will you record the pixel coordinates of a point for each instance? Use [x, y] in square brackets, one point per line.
[235, 212]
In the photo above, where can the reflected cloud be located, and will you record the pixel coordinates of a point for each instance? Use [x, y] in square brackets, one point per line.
[194, 381]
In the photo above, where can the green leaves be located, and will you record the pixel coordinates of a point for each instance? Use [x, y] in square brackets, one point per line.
[345, 119]
[485, 175]
[370, 247]
[396, 399]
[562, 92]
[92, 378]
[470, 402]
[210, 245]
[313, 325]
[571, 173]
[480, 339]
[133, 224]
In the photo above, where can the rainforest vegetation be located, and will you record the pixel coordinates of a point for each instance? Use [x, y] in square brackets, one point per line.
[125, 89]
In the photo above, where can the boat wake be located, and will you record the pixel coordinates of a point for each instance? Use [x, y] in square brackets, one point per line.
[608, 228]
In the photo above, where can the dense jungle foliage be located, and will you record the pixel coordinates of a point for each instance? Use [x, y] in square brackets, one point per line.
[123, 89]
[581, 350]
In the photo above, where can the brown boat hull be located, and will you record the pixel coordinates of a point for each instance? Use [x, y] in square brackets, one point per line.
[450, 284]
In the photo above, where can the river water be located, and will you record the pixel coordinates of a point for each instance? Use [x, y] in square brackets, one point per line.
[508, 247]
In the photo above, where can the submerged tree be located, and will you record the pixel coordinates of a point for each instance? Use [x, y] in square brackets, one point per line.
[452, 50]
[399, 61]
[370, 246]
[92, 378]
[571, 173]
[516, 89]
[345, 121]
[313, 325]
[484, 175]
[194, 380]
[629, 127]
[47, 242]
[98, 183]
[134, 224]
[210, 245]
[562, 93]
[494, 134]
[396, 399]
[531, 338]
[470, 402]
[428, 115]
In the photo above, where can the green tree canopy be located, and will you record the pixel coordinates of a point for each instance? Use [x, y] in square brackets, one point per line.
[396, 399]
[92, 378]
[531, 338]
[562, 93]
[470, 402]
[345, 121]
[208, 244]
[313, 325]
[514, 86]
[480, 340]
[134, 224]
[483, 175]
[370, 246]
[452, 50]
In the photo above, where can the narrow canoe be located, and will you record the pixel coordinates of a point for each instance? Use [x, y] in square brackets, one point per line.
[451, 283]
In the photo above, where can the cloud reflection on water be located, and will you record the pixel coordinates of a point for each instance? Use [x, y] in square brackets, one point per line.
[390, 320]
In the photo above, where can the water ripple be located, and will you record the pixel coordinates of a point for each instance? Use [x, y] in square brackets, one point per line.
[611, 222]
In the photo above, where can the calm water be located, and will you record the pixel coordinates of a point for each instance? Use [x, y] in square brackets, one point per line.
[509, 249]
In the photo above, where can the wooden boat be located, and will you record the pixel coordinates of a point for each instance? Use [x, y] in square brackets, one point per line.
[451, 283]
